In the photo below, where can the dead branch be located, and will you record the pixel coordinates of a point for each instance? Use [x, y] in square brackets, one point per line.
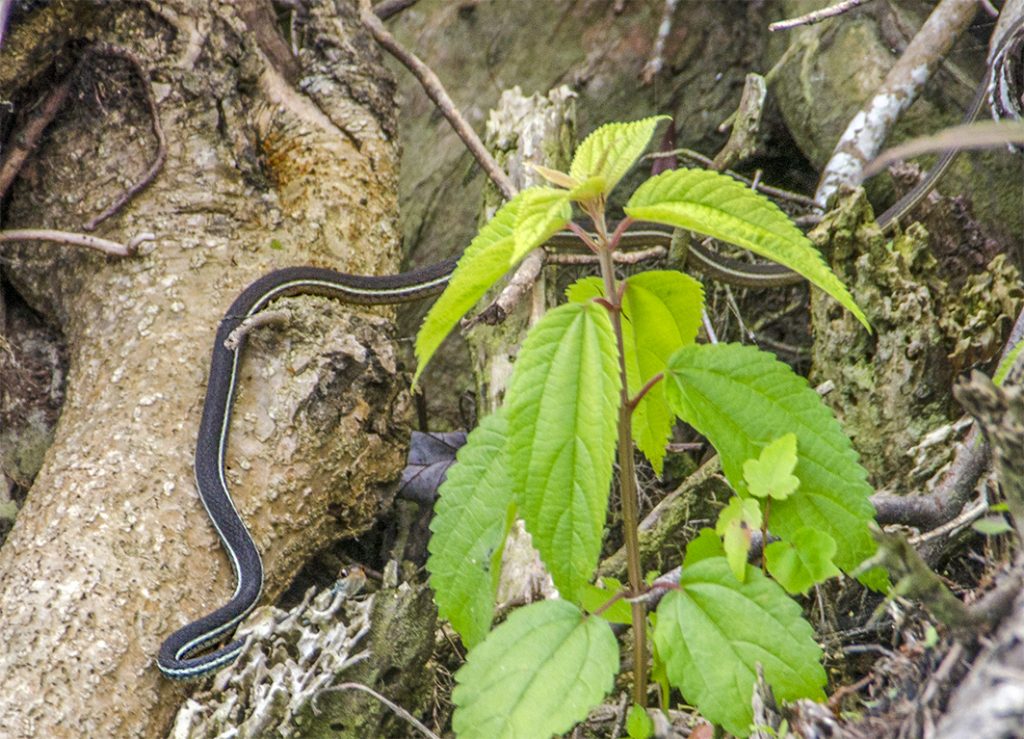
[27, 139]
[110, 248]
[869, 128]
[435, 90]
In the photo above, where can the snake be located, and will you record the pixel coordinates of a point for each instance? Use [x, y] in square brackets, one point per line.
[192, 651]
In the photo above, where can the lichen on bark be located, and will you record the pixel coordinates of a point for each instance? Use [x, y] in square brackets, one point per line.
[892, 386]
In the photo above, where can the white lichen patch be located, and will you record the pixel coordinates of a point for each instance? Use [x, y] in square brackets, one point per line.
[288, 659]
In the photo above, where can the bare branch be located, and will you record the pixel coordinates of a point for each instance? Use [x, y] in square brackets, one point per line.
[25, 141]
[620, 257]
[111, 248]
[251, 323]
[868, 129]
[816, 16]
[435, 90]
[982, 135]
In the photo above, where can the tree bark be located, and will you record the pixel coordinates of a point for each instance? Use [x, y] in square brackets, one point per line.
[272, 160]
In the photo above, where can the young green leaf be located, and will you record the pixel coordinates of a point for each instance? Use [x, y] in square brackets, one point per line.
[554, 176]
[485, 260]
[659, 673]
[468, 528]
[803, 561]
[593, 187]
[741, 399]
[661, 312]
[771, 474]
[736, 523]
[717, 205]
[706, 544]
[992, 526]
[562, 412]
[638, 724]
[544, 212]
[713, 632]
[584, 289]
[536, 675]
[594, 598]
[611, 150]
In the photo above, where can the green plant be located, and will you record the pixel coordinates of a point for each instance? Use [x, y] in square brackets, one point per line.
[618, 362]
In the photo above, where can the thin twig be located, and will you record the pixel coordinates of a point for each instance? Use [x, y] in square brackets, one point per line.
[251, 323]
[395, 708]
[974, 136]
[26, 140]
[435, 90]
[708, 328]
[620, 257]
[965, 519]
[154, 116]
[816, 16]
[111, 248]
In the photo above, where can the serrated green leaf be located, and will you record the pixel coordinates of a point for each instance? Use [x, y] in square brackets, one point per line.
[591, 188]
[992, 526]
[612, 149]
[483, 263]
[661, 312]
[594, 598]
[736, 523]
[713, 631]
[638, 724]
[562, 414]
[741, 399]
[584, 290]
[716, 205]
[535, 675]
[771, 474]
[706, 544]
[803, 561]
[468, 528]
[544, 212]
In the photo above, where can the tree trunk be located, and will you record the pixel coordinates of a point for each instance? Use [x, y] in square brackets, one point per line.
[272, 160]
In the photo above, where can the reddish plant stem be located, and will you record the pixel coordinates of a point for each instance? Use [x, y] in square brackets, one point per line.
[635, 400]
[613, 243]
[584, 236]
[627, 476]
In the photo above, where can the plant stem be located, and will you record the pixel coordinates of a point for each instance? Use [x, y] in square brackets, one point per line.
[627, 480]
